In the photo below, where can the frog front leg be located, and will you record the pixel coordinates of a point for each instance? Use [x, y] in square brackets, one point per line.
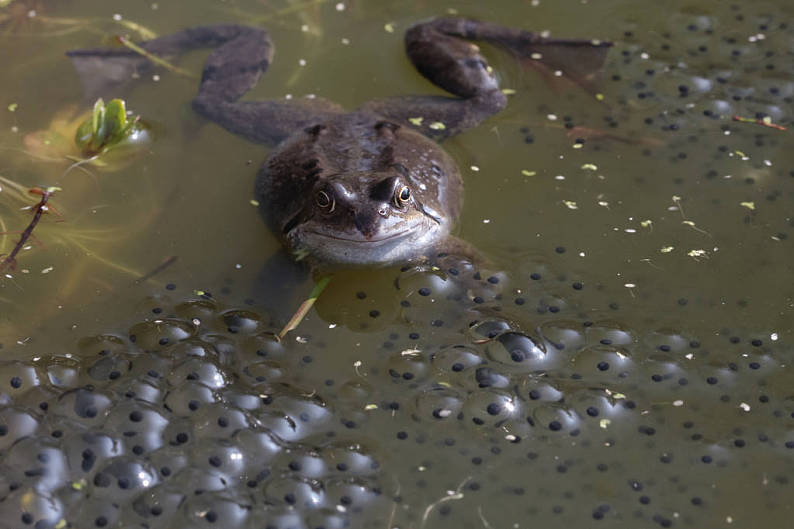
[441, 51]
[241, 55]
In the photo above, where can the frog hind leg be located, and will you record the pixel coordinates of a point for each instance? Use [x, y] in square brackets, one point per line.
[441, 51]
[241, 55]
[559, 60]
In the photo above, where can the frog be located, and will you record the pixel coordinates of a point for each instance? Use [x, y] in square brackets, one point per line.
[367, 187]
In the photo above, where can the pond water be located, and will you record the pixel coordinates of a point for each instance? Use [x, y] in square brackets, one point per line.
[631, 368]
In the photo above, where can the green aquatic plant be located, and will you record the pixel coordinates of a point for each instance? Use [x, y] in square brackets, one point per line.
[108, 137]
[70, 236]
[107, 128]
[304, 307]
[70, 248]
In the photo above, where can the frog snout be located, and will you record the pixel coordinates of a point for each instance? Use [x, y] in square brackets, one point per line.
[366, 223]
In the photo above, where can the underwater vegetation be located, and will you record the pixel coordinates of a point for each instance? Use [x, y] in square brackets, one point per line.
[106, 139]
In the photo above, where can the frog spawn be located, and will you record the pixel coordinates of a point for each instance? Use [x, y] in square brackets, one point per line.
[202, 417]
[586, 387]
[151, 432]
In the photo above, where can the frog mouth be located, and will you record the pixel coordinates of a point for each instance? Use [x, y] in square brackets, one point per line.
[361, 240]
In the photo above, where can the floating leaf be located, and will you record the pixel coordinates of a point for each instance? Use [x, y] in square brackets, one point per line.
[697, 254]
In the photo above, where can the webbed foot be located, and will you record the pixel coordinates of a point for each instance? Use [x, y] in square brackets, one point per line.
[441, 51]
[579, 60]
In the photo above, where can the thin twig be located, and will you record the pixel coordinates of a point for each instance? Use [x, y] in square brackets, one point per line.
[484, 521]
[39, 209]
[157, 269]
[766, 122]
[154, 58]
[456, 495]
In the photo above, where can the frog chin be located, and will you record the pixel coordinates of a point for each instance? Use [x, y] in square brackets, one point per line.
[352, 248]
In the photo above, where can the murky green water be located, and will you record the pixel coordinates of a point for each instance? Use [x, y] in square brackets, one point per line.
[633, 372]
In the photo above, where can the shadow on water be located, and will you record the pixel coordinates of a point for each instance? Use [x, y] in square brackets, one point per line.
[629, 369]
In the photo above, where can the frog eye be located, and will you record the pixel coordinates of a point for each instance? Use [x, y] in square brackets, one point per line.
[325, 201]
[402, 196]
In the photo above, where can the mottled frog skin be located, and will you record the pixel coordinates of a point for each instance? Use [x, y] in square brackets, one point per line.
[368, 187]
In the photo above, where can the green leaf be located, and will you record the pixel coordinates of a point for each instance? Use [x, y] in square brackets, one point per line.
[97, 116]
[116, 119]
[98, 125]
[304, 308]
[84, 134]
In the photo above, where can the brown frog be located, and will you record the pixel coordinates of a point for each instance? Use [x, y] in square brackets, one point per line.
[368, 187]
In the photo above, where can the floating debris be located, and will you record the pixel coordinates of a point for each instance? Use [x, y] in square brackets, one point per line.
[765, 122]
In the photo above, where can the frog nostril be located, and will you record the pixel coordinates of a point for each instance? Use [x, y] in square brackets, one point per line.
[366, 223]
[382, 212]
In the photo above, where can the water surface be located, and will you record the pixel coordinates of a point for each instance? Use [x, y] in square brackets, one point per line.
[631, 372]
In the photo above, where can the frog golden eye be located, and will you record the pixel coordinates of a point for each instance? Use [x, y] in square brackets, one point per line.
[325, 201]
[403, 195]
